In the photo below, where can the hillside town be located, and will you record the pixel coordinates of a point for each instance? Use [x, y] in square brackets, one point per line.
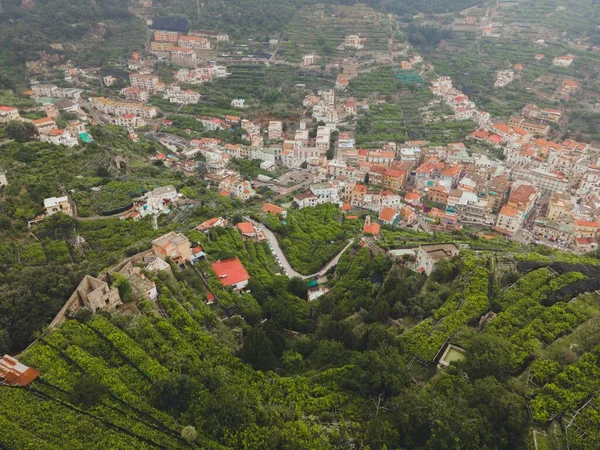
[517, 183]
[507, 177]
[304, 224]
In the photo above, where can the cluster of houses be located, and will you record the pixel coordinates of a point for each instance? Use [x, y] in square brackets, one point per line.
[185, 46]
[46, 127]
[415, 183]
[564, 168]
[216, 156]
[504, 78]
[201, 75]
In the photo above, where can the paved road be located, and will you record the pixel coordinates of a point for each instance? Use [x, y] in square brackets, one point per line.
[272, 239]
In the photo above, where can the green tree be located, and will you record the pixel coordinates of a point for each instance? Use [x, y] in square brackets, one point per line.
[173, 394]
[189, 433]
[257, 350]
[122, 284]
[488, 355]
[20, 131]
[87, 391]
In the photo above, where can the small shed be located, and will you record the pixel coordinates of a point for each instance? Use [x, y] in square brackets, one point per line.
[14, 373]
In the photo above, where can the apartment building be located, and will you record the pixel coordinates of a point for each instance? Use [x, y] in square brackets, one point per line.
[142, 81]
[194, 42]
[121, 107]
[135, 94]
[184, 53]
[166, 36]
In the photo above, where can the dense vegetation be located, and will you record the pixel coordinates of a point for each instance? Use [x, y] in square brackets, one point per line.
[138, 381]
[243, 18]
[99, 30]
[265, 368]
[311, 237]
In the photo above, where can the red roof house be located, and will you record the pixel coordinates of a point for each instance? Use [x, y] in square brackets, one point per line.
[387, 215]
[247, 229]
[211, 223]
[231, 272]
[273, 209]
[371, 227]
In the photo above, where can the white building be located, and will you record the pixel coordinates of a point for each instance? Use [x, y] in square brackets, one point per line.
[184, 53]
[504, 78]
[157, 198]
[54, 205]
[547, 181]
[183, 97]
[129, 121]
[305, 200]
[59, 137]
[563, 61]
[325, 193]
[51, 90]
[145, 82]
[275, 129]
[242, 190]
[239, 103]
[121, 107]
[194, 42]
[428, 255]
[353, 41]
[308, 60]
[135, 94]
[8, 113]
[323, 138]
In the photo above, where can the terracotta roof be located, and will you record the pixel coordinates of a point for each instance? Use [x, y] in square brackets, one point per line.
[394, 173]
[406, 212]
[42, 121]
[246, 227]
[508, 211]
[351, 217]
[451, 171]
[230, 271]
[7, 108]
[387, 214]
[480, 134]
[587, 223]
[208, 223]
[346, 207]
[273, 209]
[522, 194]
[435, 212]
[502, 127]
[377, 169]
[412, 196]
[586, 241]
[372, 228]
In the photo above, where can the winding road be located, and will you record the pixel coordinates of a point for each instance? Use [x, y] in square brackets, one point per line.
[272, 239]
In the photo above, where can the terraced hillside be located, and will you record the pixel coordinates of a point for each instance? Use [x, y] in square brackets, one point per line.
[523, 30]
[322, 29]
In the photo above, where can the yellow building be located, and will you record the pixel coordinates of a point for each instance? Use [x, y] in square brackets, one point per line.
[173, 245]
